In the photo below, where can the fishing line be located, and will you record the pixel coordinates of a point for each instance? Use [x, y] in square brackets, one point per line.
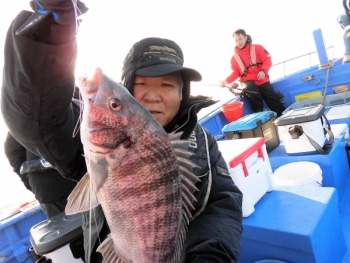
[77, 13]
[90, 217]
[81, 107]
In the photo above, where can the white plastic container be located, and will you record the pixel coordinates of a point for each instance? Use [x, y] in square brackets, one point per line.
[63, 254]
[339, 130]
[250, 169]
[299, 174]
[336, 113]
[310, 120]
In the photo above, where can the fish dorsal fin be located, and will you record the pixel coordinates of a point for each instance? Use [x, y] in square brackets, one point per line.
[183, 153]
[187, 163]
[182, 144]
[108, 252]
[188, 179]
[79, 199]
[175, 136]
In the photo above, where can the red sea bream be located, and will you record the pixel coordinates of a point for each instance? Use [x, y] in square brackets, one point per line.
[141, 176]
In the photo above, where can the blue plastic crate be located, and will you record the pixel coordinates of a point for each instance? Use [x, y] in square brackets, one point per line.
[15, 236]
[259, 124]
[250, 121]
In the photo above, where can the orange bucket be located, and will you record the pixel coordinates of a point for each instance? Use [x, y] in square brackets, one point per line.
[232, 111]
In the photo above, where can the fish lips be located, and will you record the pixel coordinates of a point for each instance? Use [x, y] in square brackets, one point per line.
[107, 139]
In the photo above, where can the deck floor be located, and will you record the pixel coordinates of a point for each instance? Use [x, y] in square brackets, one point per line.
[344, 210]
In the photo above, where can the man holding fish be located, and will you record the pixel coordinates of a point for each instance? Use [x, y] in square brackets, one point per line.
[159, 176]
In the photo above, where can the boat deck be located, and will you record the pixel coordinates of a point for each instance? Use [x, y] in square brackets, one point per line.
[344, 211]
[299, 224]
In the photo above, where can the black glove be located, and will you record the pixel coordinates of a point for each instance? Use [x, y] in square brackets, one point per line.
[63, 12]
[25, 181]
[35, 166]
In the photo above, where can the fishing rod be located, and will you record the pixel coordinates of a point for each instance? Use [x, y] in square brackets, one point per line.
[239, 89]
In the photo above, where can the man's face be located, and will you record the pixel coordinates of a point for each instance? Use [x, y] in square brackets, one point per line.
[240, 40]
[159, 95]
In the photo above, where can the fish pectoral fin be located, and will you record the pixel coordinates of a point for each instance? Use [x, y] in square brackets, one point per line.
[108, 252]
[82, 198]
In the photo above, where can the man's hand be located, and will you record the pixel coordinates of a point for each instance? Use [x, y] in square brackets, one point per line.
[261, 75]
[223, 83]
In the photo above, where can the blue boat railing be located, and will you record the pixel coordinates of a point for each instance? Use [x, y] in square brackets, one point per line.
[311, 63]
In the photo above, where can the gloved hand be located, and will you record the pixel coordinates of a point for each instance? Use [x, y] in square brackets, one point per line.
[25, 181]
[64, 11]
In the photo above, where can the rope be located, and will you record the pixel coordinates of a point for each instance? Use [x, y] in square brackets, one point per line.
[328, 67]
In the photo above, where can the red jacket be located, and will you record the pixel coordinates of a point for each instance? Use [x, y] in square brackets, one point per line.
[263, 60]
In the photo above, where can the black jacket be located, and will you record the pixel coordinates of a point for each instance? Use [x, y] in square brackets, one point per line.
[48, 186]
[36, 103]
[214, 235]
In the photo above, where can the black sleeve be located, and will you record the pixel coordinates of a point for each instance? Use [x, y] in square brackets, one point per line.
[15, 153]
[215, 235]
[37, 90]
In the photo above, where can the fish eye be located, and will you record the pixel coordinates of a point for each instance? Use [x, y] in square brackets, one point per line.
[115, 104]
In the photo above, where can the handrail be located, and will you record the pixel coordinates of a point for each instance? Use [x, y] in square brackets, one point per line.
[307, 54]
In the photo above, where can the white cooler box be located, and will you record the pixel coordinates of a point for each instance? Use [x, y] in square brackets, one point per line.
[250, 169]
[311, 122]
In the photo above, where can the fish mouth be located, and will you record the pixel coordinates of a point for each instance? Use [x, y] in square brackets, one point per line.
[109, 138]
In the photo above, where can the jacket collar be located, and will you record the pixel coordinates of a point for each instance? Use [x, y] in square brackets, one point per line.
[246, 47]
[186, 119]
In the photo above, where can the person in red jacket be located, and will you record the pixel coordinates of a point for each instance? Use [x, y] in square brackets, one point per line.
[251, 64]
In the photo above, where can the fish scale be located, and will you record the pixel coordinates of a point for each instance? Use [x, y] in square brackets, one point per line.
[137, 173]
[134, 211]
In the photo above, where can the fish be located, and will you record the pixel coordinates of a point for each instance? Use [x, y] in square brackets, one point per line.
[142, 177]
